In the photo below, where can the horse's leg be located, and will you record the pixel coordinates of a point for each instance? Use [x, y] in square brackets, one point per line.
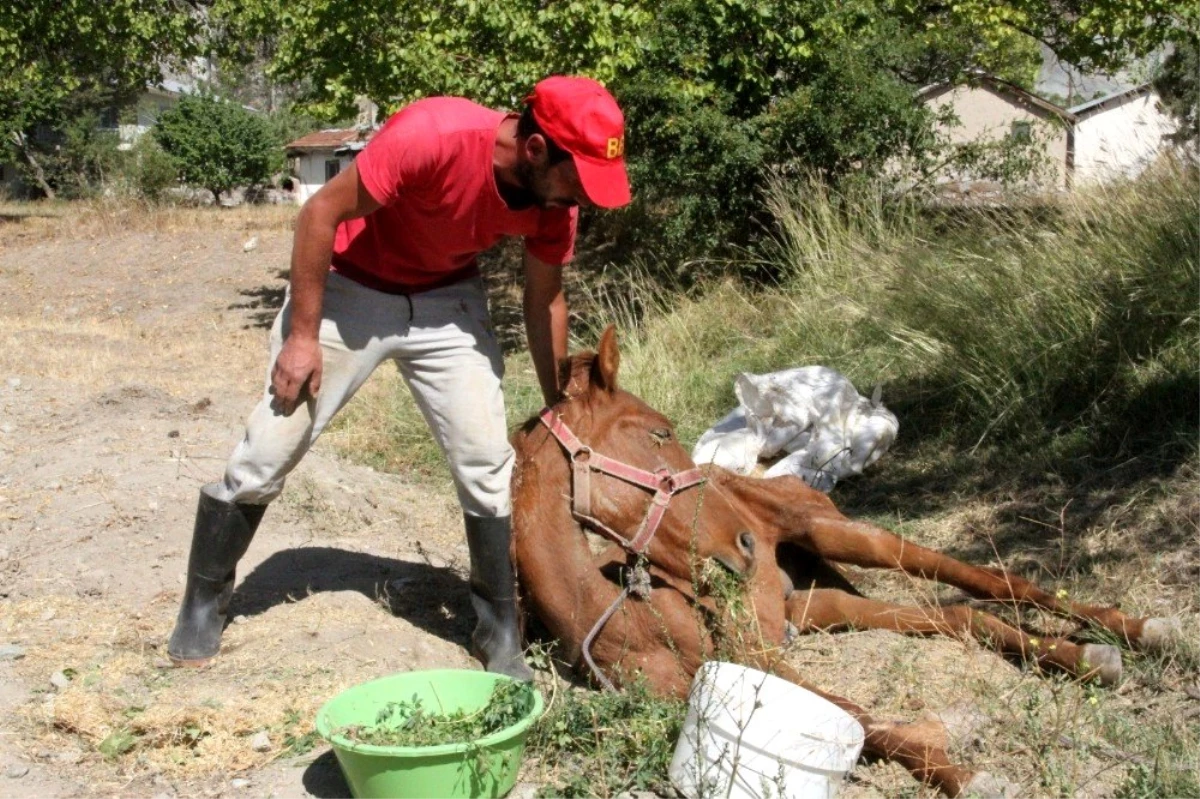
[828, 533]
[831, 609]
[920, 748]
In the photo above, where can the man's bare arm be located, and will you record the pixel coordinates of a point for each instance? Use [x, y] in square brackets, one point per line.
[299, 361]
[545, 322]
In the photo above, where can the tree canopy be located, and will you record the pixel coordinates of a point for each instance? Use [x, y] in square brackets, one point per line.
[61, 54]
[1178, 83]
[394, 52]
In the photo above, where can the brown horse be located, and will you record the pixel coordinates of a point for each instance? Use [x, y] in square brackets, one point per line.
[603, 460]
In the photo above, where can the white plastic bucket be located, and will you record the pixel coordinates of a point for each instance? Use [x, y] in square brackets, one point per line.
[752, 735]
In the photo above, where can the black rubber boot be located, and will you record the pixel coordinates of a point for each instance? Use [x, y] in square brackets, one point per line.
[221, 537]
[497, 637]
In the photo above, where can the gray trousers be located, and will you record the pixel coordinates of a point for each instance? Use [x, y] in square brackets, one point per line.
[443, 344]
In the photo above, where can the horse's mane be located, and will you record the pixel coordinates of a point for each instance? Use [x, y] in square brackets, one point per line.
[575, 371]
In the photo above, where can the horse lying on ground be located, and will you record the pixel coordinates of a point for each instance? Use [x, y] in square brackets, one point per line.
[602, 460]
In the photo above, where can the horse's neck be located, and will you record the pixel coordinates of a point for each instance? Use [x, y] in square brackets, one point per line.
[560, 576]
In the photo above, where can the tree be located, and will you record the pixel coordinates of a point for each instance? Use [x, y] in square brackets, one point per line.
[718, 93]
[1178, 83]
[217, 145]
[59, 55]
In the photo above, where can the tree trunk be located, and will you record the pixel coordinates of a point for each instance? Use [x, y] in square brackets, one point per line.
[39, 177]
[216, 197]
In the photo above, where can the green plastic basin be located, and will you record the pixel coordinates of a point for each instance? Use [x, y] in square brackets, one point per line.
[486, 767]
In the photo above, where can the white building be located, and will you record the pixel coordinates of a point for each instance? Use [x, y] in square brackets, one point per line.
[1114, 136]
[1119, 135]
[318, 157]
[990, 110]
[136, 122]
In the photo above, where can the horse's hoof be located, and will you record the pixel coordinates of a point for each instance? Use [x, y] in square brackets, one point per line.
[1158, 634]
[1102, 663]
[190, 663]
[988, 786]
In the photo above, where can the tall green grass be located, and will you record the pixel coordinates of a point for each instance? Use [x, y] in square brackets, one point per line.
[1010, 325]
[1072, 319]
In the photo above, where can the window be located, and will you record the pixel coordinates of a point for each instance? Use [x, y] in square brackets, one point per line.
[1022, 131]
[332, 167]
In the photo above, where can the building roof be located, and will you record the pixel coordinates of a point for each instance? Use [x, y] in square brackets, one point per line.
[332, 139]
[998, 86]
[1101, 104]
[172, 88]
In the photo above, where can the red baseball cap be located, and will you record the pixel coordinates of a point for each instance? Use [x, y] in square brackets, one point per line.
[581, 117]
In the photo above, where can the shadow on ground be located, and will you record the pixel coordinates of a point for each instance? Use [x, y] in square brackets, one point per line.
[323, 778]
[434, 598]
[1050, 485]
[263, 301]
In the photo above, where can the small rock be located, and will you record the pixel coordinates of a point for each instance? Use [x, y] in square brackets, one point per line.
[238, 620]
[162, 663]
[49, 614]
[11, 652]
[59, 680]
[14, 382]
[93, 583]
[70, 757]
[250, 244]
[3, 553]
[172, 434]
[16, 771]
[239, 783]
[261, 742]
[152, 504]
[7, 428]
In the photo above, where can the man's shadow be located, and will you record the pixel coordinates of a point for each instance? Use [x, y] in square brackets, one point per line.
[434, 598]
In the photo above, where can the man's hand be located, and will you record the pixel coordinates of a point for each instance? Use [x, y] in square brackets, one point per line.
[297, 370]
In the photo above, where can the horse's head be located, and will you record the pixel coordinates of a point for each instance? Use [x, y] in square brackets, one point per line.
[696, 522]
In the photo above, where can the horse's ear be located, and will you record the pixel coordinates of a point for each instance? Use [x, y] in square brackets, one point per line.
[608, 361]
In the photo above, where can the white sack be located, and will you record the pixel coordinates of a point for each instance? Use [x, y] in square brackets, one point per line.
[813, 414]
[730, 443]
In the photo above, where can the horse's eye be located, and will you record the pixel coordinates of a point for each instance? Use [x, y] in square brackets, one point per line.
[661, 434]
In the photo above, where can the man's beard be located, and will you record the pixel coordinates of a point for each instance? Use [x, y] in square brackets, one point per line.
[519, 198]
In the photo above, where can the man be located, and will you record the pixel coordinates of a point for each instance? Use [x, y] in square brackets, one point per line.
[384, 267]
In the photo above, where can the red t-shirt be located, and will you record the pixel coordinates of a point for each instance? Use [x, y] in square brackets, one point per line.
[431, 168]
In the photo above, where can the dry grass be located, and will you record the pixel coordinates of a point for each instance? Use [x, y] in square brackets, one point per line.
[177, 725]
[26, 222]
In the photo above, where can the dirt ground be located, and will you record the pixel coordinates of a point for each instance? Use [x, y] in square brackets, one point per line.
[130, 355]
[129, 361]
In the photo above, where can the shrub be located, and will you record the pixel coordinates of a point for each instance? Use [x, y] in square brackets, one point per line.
[151, 170]
[217, 145]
